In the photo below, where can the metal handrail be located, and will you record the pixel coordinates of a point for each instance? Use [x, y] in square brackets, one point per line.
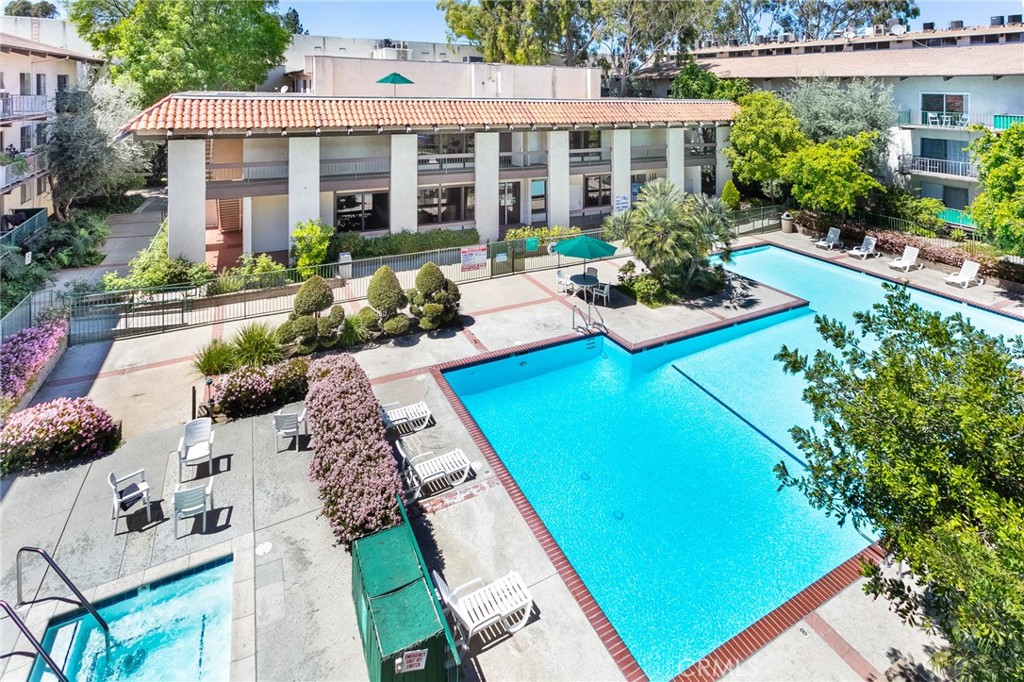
[67, 581]
[591, 309]
[574, 311]
[13, 615]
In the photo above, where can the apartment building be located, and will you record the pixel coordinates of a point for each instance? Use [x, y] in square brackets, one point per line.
[255, 164]
[32, 72]
[943, 81]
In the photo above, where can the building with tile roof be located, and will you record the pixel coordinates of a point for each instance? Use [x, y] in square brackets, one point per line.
[250, 166]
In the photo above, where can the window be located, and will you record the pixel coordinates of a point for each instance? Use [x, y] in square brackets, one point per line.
[41, 185]
[1012, 38]
[444, 143]
[26, 192]
[62, 83]
[445, 205]
[597, 190]
[954, 197]
[948, 150]
[538, 197]
[637, 182]
[25, 84]
[40, 134]
[584, 139]
[26, 137]
[362, 211]
[40, 83]
[944, 103]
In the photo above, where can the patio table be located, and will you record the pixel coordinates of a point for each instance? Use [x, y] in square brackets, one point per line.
[585, 282]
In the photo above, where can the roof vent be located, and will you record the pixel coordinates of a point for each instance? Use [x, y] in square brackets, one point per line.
[996, 21]
[786, 38]
[928, 26]
[879, 29]
[954, 25]
[1014, 19]
[733, 42]
[759, 40]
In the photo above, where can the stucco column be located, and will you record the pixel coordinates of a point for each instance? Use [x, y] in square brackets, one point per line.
[723, 172]
[486, 189]
[404, 183]
[558, 178]
[186, 199]
[247, 225]
[303, 181]
[675, 157]
[622, 165]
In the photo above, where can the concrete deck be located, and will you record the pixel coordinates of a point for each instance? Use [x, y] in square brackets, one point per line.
[296, 596]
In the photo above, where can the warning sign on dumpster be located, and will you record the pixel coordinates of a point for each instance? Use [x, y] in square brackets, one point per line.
[474, 258]
[411, 660]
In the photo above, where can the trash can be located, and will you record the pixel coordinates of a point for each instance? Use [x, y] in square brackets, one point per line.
[787, 222]
[405, 635]
[343, 270]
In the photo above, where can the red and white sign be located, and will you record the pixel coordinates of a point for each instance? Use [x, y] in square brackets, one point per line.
[412, 660]
[474, 258]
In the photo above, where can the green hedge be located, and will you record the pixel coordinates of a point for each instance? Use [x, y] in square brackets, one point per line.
[402, 242]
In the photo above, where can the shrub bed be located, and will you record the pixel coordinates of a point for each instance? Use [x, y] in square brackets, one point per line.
[23, 355]
[352, 465]
[59, 431]
[399, 243]
[255, 390]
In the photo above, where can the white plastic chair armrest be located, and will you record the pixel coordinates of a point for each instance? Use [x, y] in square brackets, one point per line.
[422, 455]
[181, 447]
[302, 415]
[212, 434]
[209, 487]
[474, 581]
[141, 473]
[387, 405]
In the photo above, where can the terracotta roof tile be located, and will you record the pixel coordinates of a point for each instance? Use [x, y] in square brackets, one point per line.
[238, 111]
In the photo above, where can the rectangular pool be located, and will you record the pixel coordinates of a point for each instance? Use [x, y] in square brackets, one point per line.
[653, 472]
[178, 628]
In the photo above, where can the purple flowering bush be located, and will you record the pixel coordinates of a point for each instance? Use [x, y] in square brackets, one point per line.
[58, 431]
[23, 355]
[352, 463]
[255, 390]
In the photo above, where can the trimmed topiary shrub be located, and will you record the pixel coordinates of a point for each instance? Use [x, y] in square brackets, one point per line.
[368, 318]
[395, 326]
[352, 464]
[315, 295]
[385, 294]
[401, 242]
[731, 196]
[307, 327]
[288, 381]
[59, 431]
[435, 300]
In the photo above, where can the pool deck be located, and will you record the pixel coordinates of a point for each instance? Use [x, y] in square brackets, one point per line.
[294, 615]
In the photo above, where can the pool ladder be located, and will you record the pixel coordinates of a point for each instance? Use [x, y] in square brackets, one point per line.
[13, 615]
[587, 322]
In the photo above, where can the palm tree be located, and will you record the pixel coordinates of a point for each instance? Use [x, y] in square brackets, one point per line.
[709, 229]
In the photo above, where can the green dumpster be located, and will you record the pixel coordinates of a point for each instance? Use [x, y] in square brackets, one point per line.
[405, 635]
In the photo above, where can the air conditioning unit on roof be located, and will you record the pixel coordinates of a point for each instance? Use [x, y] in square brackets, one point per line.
[879, 29]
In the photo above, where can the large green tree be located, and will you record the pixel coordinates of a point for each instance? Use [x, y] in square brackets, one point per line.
[695, 82]
[919, 424]
[291, 23]
[763, 133]
[999, 209]
[820, 19]
[172, 45]
[742, 20]
[27, 8]
[830, 176]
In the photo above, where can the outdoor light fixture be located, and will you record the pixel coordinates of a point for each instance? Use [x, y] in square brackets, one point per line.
[634, 124]
[380, 129]
[462, 128]
[408, 129]
[209, 133]
[284, 132]
[170, 132]
[533, 126]
[248, 132]
[487, 126]
[575, 126]
[318, 131]
[435, 128]
[350, 130]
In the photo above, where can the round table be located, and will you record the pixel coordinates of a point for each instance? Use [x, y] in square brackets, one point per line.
[585, 282]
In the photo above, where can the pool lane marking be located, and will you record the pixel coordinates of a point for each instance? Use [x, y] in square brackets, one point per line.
[740, 417]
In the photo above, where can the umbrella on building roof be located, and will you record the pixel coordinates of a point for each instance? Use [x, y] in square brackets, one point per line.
[584, 247]
[395, 79]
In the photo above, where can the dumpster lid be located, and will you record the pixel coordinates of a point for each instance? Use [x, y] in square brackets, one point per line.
[387, 560]
[404, 618]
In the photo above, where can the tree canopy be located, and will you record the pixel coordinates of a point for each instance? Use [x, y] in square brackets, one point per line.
[764, 132]
[999, 209]
[918, 428]
[820, 19]
[291, 23]
[695, 82]
[172, 45]
[830, 176]
[27, 8]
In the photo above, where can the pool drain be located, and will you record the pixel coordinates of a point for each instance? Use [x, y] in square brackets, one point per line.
[585, 476]
[618, 515]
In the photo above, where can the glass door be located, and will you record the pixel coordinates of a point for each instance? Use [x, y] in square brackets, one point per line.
[508, 203]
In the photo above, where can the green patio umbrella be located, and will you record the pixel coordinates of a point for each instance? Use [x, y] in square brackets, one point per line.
[395, 79]
[584, 247]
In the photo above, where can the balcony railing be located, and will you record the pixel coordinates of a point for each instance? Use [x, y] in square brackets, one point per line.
[647, 153]
[956, 120]
[23, 167]
[955, 216]
[921, 164]
[534, 159]
[445, 164]
[1004, 121]
[19, 106]
[22, 231]
[702, 151]
[248, 172]
[589, 157]
[374, 167]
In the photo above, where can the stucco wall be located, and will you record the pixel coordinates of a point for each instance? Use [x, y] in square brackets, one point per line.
[270, 223]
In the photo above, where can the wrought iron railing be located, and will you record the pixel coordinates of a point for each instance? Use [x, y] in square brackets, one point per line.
[378, 166]
[585, 157]
[445, 164]
[531, 159]
[923, 164]
[248, 172]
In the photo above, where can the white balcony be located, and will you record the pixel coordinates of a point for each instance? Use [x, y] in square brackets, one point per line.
[927, 166]
[13, 107]
[22, 168]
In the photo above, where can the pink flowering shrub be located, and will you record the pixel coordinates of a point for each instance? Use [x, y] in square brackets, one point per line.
[24, 354]
[352, 464]
[58, 431]
[255, 390]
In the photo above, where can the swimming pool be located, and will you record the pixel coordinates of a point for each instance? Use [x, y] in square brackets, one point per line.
[653, 472]
[178, 628]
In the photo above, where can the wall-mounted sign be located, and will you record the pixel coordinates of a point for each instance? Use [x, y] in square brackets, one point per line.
[474, 257]
[500, 257]
[532, 243]
[411, 661]
[621, 202]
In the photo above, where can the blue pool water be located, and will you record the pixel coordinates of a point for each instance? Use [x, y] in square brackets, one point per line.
[173, 629]
[653, 471]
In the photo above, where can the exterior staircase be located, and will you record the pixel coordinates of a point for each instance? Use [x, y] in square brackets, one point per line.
[229, 215]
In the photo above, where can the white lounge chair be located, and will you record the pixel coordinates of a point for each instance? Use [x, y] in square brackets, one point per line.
[603, 291]
[425, 468]
[196, 446]
[127, 496]
[504, 603]
[564, 283]
[831, 240]
[406, 419]
[192, 502]
[865, 249]
[968, 274]
[288, 424]
[907, 260]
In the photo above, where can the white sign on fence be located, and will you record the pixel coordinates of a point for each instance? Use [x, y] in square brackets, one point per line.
[621, 202]
[474, 258]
